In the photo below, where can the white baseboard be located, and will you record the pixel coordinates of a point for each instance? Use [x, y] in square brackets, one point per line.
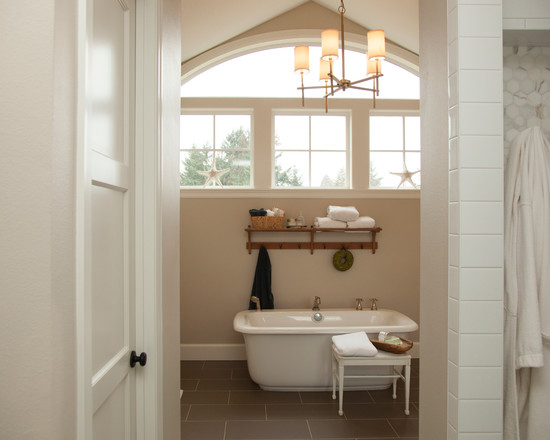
[234, 352]
[212, 352]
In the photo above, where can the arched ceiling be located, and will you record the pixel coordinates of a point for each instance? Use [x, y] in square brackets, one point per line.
[208, 23]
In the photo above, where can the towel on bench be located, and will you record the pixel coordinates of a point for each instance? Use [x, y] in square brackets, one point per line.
[354, 344]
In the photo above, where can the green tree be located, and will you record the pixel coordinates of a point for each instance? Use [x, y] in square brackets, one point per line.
[375, 179]
[197, 160]
[234, 153]
[340, 178]
[289, 177]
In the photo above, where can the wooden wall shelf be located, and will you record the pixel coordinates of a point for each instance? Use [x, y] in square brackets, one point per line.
[312, 244]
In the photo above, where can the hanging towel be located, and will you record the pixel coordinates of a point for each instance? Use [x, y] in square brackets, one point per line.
[343, 213]
[261, 286]
[362, 222]
[527, 287]
[354, 344]
[327, 222]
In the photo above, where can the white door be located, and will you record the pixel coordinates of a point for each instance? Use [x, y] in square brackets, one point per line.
[109, 406]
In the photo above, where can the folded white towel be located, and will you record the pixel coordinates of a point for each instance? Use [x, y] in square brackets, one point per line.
[343, 213]
[354, 344]
[362, 222]
[326, 222]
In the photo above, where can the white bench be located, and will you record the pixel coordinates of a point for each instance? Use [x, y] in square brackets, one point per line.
[382, 358]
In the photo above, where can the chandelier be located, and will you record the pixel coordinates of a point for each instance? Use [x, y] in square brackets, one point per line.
[376, 52]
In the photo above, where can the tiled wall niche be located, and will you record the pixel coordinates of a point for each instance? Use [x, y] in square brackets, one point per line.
[526, 77]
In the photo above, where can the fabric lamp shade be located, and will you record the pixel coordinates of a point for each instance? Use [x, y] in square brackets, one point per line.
[301, 59]
[329, 44]
[373, 66]
[324, 69]
[377, 44]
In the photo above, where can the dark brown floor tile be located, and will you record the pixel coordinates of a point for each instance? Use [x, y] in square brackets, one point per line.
[405, 427]
[202, 430]
[188, 384]
[227, 412]
[385, 396]
[308, 411]
[205, 397]
[226, 384]
[378, 410]
[334, 429]
[317, 397]
[216, 373]
[274, 430]
[192, 365]
[240, 373]
[224, 364]
[261, 396]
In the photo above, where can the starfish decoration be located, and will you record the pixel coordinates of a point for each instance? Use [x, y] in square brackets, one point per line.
[213, 175]
[406, 176]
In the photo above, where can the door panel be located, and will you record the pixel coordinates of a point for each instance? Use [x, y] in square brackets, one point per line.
[109, 145]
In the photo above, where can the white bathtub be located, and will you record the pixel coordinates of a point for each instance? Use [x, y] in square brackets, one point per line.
[287, 350]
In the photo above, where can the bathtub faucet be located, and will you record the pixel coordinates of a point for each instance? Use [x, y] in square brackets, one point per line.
[359, 306]
[316, 303]
[373, 303]
[256, 301]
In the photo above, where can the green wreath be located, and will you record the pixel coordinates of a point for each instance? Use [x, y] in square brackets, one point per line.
[342, 260]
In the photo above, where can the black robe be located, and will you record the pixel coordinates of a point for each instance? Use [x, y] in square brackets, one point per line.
[262, 282]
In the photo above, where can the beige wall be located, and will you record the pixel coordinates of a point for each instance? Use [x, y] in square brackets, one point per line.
[217, 271]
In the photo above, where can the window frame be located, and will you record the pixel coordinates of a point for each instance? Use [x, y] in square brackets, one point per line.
[217, 112]
[313, 112]
[403, 114]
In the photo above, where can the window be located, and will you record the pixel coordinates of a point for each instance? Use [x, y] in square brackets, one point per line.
[394, 151]
[211, 142]
[270, 73]
[311, 150]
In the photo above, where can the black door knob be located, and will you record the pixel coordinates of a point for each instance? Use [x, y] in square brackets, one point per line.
[134, 359]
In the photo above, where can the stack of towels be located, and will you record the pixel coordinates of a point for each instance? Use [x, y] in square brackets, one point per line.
[354, 344]
[343, 217]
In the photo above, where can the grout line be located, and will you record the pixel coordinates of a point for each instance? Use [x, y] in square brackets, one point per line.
[309, 429]
[224, 429]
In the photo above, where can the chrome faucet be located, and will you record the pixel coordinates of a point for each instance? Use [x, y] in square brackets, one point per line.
[373, 303]
[359, 306]
[316, 303]
[256, 301]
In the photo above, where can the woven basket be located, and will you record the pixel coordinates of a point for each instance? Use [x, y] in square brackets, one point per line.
[267, 222]
[392, 348]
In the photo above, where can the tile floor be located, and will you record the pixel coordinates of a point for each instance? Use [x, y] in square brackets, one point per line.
[221, 402]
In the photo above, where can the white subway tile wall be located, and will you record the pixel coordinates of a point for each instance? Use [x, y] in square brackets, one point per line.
[476, 127]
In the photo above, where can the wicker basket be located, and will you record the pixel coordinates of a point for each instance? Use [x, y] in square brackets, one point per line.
[267, 222]
[392, 348]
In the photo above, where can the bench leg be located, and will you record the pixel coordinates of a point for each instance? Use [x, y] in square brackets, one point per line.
[407, 387]
[340, 389]
[394, 395]
[333, 377]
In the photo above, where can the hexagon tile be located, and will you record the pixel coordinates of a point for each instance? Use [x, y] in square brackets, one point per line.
[526, 91]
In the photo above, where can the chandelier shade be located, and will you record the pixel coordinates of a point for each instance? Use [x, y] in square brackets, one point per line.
[377, 44]
[330, 45]
[301, 59]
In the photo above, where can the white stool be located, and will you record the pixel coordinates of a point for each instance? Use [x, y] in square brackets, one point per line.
[381, 359]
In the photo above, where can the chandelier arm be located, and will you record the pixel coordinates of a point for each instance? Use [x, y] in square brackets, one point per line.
[310, 87]
[332, 92]
[368, 78]
[362, 88]
[335, 79]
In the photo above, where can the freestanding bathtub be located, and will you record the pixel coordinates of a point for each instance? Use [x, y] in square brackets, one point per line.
[289, 350]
